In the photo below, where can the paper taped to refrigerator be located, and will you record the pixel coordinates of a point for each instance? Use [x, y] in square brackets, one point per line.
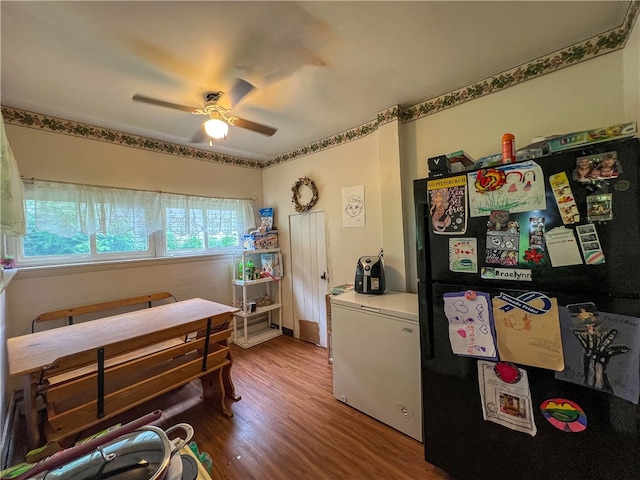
[463, 255]
[471, 329]
[506, 403]
[515, 188]
[528, 330]
[562, 247]
[601, 351]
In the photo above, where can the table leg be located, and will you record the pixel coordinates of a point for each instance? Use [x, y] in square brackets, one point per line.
[31, 412]
[229, 387]
[213, 391]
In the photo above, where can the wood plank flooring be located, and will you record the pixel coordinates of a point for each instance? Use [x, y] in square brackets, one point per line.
[288, 425]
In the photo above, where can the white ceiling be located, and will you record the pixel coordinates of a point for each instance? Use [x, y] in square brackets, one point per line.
[337, 64]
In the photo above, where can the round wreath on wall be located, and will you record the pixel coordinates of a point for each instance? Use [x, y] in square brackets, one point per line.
[295, 198]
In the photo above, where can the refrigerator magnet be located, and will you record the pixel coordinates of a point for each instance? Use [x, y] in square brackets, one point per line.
[447, 205]
[533, 256]
[503, 239]
[536, 232]
[564, 414]
[590, 244]
[583, 171]
[605, 166]
[600, 207]
[602, 166]
[463, 255]
[564, 198]
[507, 372]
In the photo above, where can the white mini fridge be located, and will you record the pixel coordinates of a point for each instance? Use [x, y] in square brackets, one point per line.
[376, 357]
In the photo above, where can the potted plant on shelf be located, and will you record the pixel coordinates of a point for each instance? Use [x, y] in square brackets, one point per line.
[8, 262]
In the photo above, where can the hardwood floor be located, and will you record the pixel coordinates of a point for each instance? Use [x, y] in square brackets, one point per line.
[288, 425]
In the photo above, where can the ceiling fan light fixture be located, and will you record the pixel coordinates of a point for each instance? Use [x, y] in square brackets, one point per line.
[216, 127]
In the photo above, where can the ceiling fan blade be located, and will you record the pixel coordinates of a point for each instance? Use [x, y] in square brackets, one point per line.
[162, 103]
[254, 127]
[200, 136]
[239, 90]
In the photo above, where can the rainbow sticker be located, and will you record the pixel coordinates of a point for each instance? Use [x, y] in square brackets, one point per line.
[564, 414]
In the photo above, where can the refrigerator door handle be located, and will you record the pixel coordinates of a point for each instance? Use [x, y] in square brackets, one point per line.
[421, 254]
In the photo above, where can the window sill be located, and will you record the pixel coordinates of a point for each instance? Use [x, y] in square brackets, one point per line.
[69, 269]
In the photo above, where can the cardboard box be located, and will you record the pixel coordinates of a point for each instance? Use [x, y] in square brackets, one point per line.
[577, 139]
[267, 241]
[439, 163]
[257, 241]
[462, 157]
[309, 331]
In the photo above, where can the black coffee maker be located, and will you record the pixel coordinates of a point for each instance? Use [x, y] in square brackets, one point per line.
[370, 275]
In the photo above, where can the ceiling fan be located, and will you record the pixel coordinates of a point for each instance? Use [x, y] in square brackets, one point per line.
[217, 126]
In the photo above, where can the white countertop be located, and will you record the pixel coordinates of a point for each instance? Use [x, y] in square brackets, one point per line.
[398, 304]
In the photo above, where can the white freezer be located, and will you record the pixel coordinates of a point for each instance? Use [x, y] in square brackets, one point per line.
[376, 357]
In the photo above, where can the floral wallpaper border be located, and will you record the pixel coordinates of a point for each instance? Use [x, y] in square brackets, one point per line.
[607, 42]
[593, 47]
[23, 118]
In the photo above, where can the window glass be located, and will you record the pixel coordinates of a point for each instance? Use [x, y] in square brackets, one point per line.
[222, 228]
[184, 230]
[42, 244]
[194, 229]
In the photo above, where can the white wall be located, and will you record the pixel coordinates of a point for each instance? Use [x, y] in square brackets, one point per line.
[52, 156]
[355, 163]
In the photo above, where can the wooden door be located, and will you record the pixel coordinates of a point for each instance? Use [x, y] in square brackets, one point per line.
[309, 276]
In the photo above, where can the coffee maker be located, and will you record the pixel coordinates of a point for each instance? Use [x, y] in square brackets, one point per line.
[370, 275]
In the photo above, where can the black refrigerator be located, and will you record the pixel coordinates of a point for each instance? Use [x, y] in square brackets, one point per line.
[574, 241]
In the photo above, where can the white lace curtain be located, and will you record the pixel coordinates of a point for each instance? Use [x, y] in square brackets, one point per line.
[189, 215]
[66, 209]
[12, 216]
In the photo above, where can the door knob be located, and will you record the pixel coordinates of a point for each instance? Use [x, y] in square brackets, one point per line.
[323, 276]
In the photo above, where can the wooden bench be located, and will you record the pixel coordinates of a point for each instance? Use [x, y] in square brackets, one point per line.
[71, 313]
[92, 371]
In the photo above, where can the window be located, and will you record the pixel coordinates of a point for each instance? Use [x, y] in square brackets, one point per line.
[200, 224]
[69, 223]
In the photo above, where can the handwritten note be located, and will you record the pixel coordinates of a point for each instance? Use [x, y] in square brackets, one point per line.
[471, 329]
[562, 247]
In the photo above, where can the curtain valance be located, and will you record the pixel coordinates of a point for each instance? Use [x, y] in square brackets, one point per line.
[67, 209]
